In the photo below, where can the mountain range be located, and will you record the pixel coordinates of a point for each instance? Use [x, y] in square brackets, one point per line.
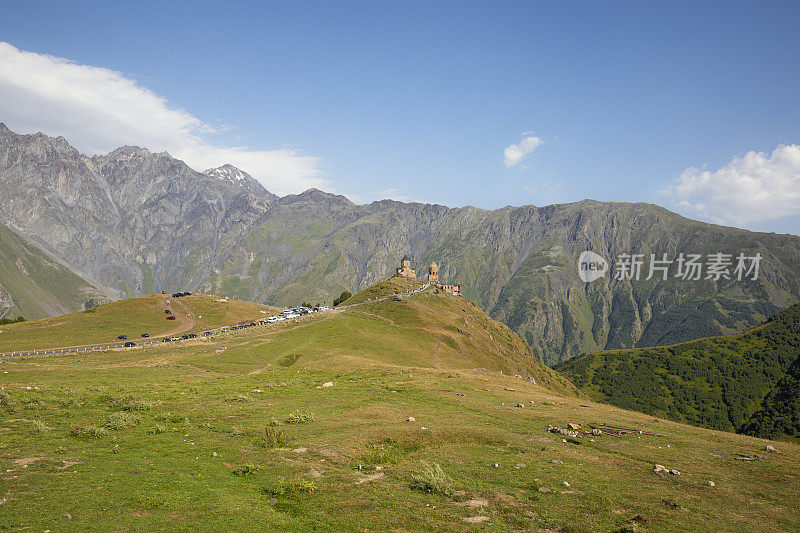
[133, 222]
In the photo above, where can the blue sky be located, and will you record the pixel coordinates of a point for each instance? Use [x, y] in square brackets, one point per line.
[420, 100]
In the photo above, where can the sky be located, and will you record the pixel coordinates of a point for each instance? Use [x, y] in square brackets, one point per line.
[690, 105]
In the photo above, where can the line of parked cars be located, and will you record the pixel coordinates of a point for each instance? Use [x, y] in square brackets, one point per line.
[286, 314]
[295, 312]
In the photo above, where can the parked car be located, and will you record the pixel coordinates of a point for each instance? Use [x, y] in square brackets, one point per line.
[167, 312]
[129, 344]
[122, 337]
[166, 340]
[145, 335]
[171, 317]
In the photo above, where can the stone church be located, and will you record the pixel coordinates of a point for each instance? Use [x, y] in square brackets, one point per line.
[406, 271]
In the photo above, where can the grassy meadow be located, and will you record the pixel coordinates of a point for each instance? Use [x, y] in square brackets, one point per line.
[409, 414]
[131, 317]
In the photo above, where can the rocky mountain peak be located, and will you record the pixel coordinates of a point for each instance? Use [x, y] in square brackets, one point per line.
[127, 152]
[318, 196]
[231, 174]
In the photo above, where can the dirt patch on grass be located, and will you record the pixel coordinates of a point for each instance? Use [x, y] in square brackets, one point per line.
[25, 461]
[475, 503]
[261, 370]
[333, 455]
[370, 477]
[476, 519]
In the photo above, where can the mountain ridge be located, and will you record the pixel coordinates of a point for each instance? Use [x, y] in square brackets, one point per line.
[140, 222]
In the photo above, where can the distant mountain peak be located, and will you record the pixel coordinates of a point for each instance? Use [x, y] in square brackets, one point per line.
[317, 195]
[230, 173]
[237, 176]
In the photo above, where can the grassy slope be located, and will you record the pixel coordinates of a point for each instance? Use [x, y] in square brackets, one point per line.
[131, 317]
[393, 285]
[717, 382]
[388, 361]
[38, 285]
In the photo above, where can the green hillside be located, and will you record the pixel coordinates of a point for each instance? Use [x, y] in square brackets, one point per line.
[131, 317]
[393, 285]
[717, 382]
[413, 413]
[35, 286]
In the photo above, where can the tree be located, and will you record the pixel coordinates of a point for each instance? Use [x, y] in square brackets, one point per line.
[342, 297]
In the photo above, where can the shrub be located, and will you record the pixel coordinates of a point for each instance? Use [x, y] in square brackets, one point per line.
[39, 426]
[342, 298]
[432, 480]
[89, 432]
[157, 429]
[66, 401]
[239, 398]
[299, 417]
[291, 488]
[121, 420]
[7, 402]
[137, 405]
[245, 469]
[388, 451]
[34, 403]
[273, 438]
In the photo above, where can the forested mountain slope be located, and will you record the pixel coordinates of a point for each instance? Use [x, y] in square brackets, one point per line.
[745, 382]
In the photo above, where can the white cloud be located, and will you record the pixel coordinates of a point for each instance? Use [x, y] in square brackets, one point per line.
[515, 153]
[752, 188]
[97, 110]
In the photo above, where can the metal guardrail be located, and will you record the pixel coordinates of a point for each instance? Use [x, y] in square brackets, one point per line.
[210, 333]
